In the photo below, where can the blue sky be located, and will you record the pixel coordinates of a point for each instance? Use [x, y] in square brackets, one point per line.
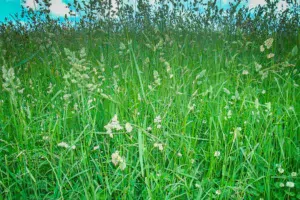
[58, 7]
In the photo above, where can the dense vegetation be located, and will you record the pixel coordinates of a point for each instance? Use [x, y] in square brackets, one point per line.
[176, 100]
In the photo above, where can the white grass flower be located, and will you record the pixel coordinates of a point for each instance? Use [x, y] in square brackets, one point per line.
[150, 87]
[191, 107]
[46, 138]
[263, 91]
[122, 164]
[290, 184]
[291, 108]
[280, 170]
[149, 128]
[50, 88]
[226, 91]
[218, 192]
[270, 55]
[179, 154]
[268, 105]
[63, 144]
[256, 103]
[159, 146]
[128, 127]
[257, 66]
[245, 72]
[197, 185]
[268, 43]
[294, 174]
[158, 126]
[113, 125]
[67, 96]
[229, 114]
[21, 91]
[122, 46]
[96, 147]
[192, 161]
[262, 48]
[281, 184]
[157, 119]
[115, 158]
[157, 79]
[217, 153]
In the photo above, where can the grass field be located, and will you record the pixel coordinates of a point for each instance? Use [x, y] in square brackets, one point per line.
[159, 115]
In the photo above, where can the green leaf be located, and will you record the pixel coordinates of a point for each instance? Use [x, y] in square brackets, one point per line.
[289, 193]
[295, 51]
[141, 150]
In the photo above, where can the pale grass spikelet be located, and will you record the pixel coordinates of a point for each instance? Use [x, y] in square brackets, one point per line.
[46, 138]
[217, 153]
[280, 170]
[191, 107]
[245, 72]
[66, 97]
[157, 119]
[256, 103]
[96, 147]
[218, 192]
[237, 132]
[63, 144]
[270, 55]
[159, 146]
[264, 74]
[201, 74]
[268, 43]
[122, 164]
[150, 87]
[128, 127]
[290, 184]
[50, 88]
[113, 125]
[116, 159]
[226, 91]
[10, 82]
[268, 107]
[294, 174]
[257, 66]
[157, 80]
[262, 48]
[80, 73]
[21, 91]
[281, 185]
[229, 114]
[122, 46]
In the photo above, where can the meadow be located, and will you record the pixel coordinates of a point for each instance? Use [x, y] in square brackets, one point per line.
[155, 114]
